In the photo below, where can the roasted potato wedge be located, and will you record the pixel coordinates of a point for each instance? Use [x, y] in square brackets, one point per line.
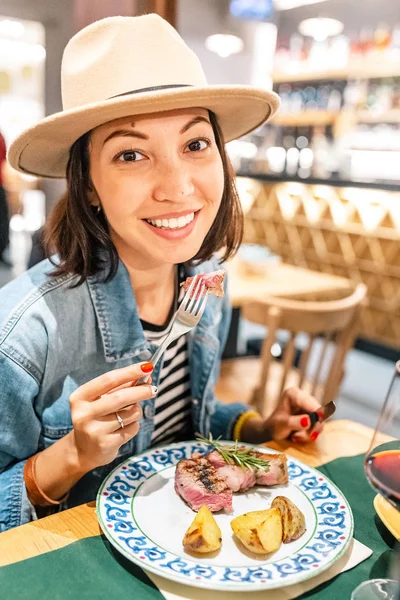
[293, 521]
[203, 535]
[245, 528]
[270, 530]
[260, 531]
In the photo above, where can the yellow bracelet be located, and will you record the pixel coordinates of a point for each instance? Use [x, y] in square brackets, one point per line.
[241, 421]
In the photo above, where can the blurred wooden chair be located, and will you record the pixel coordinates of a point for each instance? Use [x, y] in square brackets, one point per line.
[327, 330]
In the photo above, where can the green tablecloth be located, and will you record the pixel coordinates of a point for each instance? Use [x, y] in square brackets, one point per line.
[90, 569]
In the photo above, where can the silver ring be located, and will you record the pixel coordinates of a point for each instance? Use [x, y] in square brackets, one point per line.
[120, 420]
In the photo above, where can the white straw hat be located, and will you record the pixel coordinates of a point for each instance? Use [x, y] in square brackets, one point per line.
[122, 66]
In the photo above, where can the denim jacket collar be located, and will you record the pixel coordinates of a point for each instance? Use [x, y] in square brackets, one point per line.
[118, 319]
[115, 306]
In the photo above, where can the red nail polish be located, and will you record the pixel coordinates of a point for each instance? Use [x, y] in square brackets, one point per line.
[305, 421]
[314, 435]
[147, 367]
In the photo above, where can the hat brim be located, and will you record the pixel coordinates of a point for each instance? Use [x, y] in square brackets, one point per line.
[43, 149]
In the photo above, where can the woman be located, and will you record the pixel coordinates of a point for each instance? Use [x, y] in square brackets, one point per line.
[4, 217]
[150, 193]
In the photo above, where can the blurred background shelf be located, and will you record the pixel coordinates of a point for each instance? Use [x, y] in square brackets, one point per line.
[393, 186]
[390, 116]
[306, 118]
[325, 117]
[358, 70]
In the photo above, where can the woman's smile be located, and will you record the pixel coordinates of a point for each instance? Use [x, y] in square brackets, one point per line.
[175, 226]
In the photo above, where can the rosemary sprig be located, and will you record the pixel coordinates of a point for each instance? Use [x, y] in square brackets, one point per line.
[239, 455]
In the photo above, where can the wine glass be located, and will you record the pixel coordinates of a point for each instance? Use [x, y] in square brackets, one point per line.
[382, 462]
[382, 468]
[386, 589]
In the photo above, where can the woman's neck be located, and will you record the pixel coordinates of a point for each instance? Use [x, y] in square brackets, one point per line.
[154, 290]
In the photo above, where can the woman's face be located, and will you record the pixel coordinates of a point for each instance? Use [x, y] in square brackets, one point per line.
[159, 179]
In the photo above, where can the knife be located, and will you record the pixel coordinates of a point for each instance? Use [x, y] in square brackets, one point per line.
[327, 411]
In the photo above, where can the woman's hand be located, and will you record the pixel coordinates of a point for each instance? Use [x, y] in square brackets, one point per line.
[97, 434]
[289, 420]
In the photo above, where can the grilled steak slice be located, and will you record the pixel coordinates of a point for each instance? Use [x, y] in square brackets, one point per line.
[213, 282]
[239, 479]
[199, 483]
[277, 473]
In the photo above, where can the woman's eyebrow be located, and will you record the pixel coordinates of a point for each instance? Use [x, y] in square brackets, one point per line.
[194, 121]
[126, 133]
[143, 136]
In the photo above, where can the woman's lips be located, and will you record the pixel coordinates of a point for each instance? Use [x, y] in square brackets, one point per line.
[174, 234]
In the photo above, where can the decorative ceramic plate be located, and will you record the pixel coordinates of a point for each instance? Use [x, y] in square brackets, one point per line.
[143, 517]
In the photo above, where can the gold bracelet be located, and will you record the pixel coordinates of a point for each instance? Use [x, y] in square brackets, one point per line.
[241, 421]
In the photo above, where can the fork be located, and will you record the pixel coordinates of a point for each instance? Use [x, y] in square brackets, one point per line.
[185, 318]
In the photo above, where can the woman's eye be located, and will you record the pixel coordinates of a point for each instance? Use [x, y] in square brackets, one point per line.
[130, 156]
[197, 145]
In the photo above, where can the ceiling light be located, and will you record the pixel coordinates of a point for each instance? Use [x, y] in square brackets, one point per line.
[288, 4]
[224, 44]
[321, 28]
[22, 51]
[11, 28]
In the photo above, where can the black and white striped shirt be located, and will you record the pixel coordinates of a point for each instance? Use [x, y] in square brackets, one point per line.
[172, 420]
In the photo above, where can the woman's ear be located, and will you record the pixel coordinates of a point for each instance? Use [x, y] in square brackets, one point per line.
[92, 195]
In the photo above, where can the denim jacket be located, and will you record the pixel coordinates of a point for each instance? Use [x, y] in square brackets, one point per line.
[54, 338]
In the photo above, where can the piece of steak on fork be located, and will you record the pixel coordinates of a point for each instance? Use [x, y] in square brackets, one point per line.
[199, 483]
[213, 282]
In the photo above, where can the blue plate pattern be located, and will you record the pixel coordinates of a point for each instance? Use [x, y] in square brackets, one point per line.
[330, 539]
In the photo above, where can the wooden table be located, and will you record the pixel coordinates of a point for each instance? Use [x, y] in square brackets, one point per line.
[280, 279]
[339, 438]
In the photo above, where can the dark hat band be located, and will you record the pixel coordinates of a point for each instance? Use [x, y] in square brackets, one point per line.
[153, 89]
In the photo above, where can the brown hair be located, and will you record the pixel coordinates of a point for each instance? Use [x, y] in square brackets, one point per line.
[77, 232]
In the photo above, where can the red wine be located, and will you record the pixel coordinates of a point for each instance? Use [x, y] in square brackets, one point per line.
[383, 471]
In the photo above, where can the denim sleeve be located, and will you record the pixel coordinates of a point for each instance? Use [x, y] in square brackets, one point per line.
[19, 439]
[225, 415]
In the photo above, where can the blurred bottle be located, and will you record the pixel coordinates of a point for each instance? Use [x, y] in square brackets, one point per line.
[318, 57]
[371, 97]
[321, 148]
[306, 159]
[394, 50]
[396, 95]
[382, 39]
[303, 137]
[355, 46]
[296, 103]
[292, 161]
[288, 142]
[323, 92]
[339, 52]
[366, 41]
[282, 57]
[335, 99]
[354, 93]
[307, 45]
[284, 92]
[310, 98]
[296, 47]
[384, 96]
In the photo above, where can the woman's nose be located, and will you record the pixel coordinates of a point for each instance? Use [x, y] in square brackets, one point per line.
[173, 183]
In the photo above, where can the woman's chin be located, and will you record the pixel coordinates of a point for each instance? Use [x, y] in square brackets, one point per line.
[180, 255]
